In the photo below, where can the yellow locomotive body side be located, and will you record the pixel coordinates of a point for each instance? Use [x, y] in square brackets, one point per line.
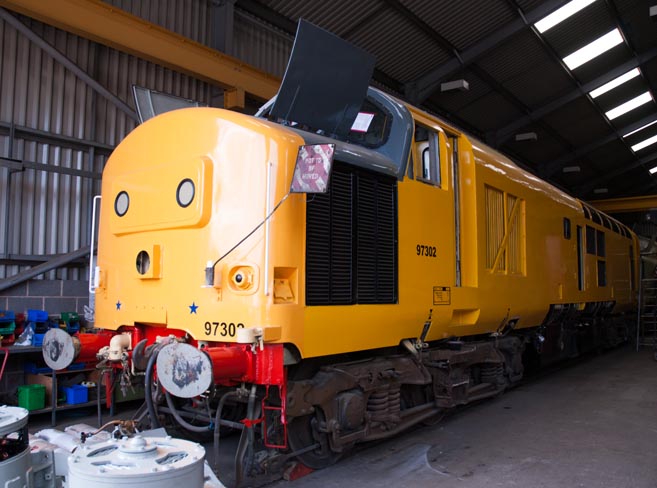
[486, 298]
[231, 157]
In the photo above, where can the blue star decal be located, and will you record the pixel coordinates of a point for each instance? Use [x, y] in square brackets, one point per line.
[192, 308]
[118, 305]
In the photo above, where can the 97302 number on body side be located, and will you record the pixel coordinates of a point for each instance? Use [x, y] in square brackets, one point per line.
[222, 329]
[428, 251]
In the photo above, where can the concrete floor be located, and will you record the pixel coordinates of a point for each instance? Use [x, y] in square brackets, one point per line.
[593, 424]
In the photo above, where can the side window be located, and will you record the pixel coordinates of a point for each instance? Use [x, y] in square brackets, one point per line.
[600, 247]
[595, 244]
[427, 154]
[590, 240]
[566, 228]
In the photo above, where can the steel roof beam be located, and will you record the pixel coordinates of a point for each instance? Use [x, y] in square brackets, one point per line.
[111, 26]
[419, 90]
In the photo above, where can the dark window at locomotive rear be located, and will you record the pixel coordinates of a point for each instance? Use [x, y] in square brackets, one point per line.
[566, 228]
[602, 273]
[600, 247]
[590, 240]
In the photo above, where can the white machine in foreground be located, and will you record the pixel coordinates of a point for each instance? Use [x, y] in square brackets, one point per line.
[61, 460]
[14, 448]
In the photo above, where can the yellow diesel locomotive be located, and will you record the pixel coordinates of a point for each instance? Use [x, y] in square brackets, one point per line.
[420, 280]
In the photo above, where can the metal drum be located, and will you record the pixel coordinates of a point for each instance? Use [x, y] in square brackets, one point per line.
[14, 447]
[138, 462]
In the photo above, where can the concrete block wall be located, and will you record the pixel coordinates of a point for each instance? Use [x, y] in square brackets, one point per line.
[53, 296]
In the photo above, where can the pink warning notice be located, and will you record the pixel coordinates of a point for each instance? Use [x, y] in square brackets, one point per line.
[313, 168]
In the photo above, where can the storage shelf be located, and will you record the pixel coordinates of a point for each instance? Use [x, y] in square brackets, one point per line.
[67, 406]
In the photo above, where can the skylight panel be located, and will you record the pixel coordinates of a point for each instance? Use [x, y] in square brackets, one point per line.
[640, 128]
[648, 142]
[559, 15]
[615, 82]
[593, 49]
[653, 170]
[629, 105]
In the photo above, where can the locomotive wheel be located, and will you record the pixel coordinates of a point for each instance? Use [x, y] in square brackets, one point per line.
[304, 432]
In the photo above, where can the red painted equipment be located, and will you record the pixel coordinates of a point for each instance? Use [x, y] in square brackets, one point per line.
[233, 363]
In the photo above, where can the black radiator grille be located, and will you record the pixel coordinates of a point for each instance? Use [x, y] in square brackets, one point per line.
[351, 240]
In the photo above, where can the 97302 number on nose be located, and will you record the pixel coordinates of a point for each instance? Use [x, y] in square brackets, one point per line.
[222, 329]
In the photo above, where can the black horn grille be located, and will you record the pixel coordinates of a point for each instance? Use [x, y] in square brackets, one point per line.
[351, 240]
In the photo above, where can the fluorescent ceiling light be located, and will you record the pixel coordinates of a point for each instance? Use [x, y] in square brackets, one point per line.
[599, 191]
[629, 105]
[615, 82]
[640, 145]
[594, 49]
[559, 15]
[640, 128]
[653, 170]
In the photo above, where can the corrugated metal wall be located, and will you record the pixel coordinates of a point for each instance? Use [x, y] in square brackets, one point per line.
[41, 102]
[260, 45]
[44, 212]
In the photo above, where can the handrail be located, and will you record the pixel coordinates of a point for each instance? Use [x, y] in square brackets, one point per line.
[93, 276]
[54, 263]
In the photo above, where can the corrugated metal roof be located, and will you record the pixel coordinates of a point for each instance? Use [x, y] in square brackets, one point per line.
[453, 101]
[580, 29]
[463, 23]
[514, 57]
[578, 122]
[491, 103]
[340, 17]
[547, 148]
[377, 40]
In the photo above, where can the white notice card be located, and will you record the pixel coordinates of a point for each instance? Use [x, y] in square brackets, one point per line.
[362, 122]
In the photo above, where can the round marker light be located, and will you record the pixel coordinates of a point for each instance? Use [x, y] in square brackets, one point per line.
[242, 278]
[143, 262]
[121, 203]
[185, 193]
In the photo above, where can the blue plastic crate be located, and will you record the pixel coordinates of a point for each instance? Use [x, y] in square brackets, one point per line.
[76, 394]
[31, 367]
[37, 340]
[7, 316]
[37, 316]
